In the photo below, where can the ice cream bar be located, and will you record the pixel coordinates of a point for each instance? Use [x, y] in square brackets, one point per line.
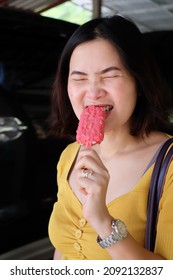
[90, 129]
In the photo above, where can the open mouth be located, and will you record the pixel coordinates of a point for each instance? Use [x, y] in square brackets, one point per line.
[108, 108]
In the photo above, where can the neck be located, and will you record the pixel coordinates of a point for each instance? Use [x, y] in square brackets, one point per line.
[114, 144]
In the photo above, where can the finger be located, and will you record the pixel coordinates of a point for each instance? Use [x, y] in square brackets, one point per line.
[92, 189]
[92, 182]
[89, 153]
[91, 161]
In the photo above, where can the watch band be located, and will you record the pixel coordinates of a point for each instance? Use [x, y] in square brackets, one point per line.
[106, 242]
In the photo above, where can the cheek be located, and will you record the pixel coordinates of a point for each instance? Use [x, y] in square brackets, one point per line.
[71, 94]
[72, 89]
[69, 89]
[74, 100]
[126, 99]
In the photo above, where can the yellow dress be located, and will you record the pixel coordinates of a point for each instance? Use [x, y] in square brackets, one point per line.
[70, 233]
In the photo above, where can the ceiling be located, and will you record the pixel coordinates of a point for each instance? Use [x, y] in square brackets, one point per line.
[149, 15]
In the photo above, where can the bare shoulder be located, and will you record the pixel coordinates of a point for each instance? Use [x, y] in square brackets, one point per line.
[156, 139]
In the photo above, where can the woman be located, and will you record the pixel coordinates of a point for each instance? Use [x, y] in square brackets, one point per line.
[105, 63]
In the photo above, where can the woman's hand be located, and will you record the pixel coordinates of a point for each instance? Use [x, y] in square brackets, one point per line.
[94, 187]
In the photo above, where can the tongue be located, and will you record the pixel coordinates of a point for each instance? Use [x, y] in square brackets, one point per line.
[90, 129]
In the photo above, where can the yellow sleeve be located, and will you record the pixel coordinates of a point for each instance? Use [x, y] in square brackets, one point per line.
[57, 222]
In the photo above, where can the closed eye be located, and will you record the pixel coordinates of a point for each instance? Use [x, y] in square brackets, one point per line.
[79, 79]
[112, 76]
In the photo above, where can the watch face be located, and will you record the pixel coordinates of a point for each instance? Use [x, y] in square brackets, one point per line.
[121, 228]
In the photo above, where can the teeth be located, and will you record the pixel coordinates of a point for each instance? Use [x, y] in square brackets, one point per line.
[107, 108]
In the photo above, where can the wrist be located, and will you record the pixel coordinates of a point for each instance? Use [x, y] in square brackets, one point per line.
[103, 226]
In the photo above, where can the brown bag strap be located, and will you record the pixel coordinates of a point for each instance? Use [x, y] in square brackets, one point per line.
[155, 191]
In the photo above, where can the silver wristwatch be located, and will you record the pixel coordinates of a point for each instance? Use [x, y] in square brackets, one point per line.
[119, 232]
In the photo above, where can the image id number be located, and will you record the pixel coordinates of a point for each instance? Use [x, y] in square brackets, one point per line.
[133, 270]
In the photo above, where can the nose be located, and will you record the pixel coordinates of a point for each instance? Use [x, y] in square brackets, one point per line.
[94, 90]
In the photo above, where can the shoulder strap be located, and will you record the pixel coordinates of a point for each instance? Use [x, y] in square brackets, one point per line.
[155, 191]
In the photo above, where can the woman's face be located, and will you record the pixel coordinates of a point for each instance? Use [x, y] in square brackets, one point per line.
[97, 76]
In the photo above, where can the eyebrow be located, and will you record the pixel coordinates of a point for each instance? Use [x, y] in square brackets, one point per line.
[109, 69]
[112, 68]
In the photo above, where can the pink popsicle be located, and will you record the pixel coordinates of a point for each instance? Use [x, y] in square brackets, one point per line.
[90, 129]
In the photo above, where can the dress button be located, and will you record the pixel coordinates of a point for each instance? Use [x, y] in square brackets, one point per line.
[78, 233]
[82, 222]
[77, 246]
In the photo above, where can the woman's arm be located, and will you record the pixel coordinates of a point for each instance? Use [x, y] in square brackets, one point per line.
[129, 249]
